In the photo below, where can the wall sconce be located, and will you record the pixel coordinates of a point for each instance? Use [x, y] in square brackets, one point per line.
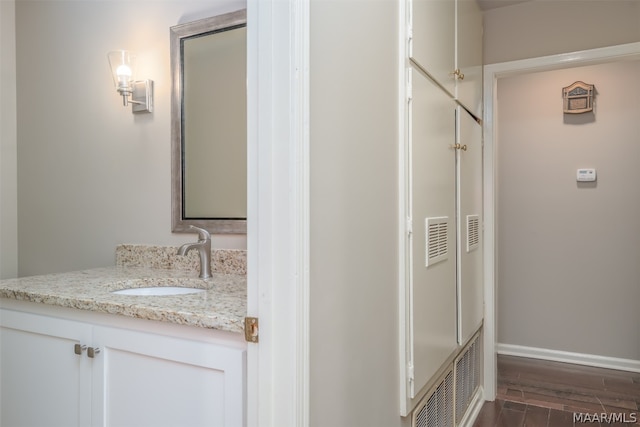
[137, 93]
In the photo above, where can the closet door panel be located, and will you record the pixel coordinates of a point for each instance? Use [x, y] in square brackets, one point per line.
[469, 55]
[432, 25]
[470, 296]
[433, 254]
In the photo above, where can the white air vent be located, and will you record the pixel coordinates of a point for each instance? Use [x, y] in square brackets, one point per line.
[473, 232]
[436, 409]
[449, 400]
[467, 371]
[437, 236]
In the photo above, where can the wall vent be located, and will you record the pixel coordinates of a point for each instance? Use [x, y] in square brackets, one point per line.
[467, 376]
[473, 232]
[437, 237]
[436, 409]
[448, 401]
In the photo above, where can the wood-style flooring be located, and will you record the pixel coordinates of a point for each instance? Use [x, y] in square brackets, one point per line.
[539, 393]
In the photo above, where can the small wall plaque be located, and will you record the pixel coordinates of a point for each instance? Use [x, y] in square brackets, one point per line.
[578, 98]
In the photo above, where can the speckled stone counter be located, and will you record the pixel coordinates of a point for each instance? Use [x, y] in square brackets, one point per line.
[222, 306]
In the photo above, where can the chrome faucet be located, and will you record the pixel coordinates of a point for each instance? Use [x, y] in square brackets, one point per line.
[203, 245]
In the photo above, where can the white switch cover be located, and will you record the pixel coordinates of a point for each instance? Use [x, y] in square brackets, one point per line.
[586, 175]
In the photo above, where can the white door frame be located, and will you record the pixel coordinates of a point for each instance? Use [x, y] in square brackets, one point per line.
[492, 73]
[278, 211]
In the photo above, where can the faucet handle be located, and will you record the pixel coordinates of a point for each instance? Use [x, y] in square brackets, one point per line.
[202, 233]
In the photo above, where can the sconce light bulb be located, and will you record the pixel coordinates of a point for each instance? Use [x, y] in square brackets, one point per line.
[122, 64]
[124, 79]
[124, 72]
[123, 67]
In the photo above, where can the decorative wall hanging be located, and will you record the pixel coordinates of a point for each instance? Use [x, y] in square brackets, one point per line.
[578, 98]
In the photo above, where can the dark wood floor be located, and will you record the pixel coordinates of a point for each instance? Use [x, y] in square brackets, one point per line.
[538, 393]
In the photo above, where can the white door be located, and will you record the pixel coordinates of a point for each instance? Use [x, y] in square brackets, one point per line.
[469, 55]
[142, 379]
[470, 287]
[433, 238]
[44, 381]
[432, 24]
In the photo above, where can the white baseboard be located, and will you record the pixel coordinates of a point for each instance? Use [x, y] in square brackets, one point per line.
[474, 409]
[569, 357]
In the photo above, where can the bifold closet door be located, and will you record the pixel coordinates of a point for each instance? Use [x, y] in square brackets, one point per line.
[469, 159]
[432, 42]
[432, 240]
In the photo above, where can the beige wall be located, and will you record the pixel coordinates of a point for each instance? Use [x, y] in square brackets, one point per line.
[91, 174]
[546, 27]
[8, 161]
[568, 253]
[354, 243]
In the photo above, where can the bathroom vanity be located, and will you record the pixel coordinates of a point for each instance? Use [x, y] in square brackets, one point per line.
[74, 353]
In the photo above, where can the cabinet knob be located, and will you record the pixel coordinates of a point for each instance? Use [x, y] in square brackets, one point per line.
[460, 147]
[79, 348]
[91, 352]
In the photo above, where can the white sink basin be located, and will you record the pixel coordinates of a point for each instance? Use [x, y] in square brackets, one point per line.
[159, 290]
[160, 286]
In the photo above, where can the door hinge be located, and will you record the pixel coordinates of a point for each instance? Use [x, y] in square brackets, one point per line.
[411, 380]
[251, 330]
[410, 373]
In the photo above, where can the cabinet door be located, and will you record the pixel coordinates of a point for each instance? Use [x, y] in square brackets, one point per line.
[44, 383]
[432, 43]
[142, 379]
[432, 240]
[470, 296]
[469, 55]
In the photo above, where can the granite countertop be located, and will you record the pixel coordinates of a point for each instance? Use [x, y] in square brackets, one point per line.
[223, 306]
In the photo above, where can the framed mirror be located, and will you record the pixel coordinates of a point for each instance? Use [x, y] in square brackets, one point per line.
[209, 124]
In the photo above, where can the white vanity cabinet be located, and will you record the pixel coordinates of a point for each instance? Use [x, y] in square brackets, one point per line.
[43, 381]
[142, 379]
[124, 375]
[445, 40]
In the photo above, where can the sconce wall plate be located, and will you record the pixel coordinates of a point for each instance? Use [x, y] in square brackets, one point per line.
[142, 97]
[578, 98]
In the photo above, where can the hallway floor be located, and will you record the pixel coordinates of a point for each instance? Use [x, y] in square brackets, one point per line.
[539, 393]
